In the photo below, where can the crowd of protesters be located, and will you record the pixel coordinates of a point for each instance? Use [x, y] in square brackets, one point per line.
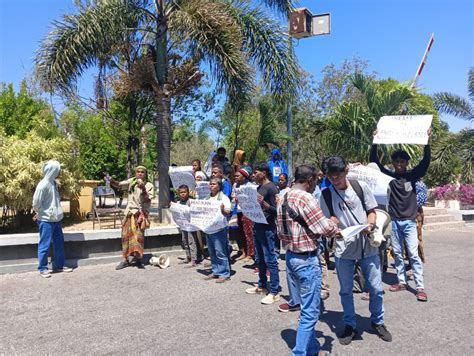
[304, 218]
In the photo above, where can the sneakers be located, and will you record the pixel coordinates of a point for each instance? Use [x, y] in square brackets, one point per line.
[270, 299]
[346, 337]
[256, 290]
[122, 265]
[285, 308]
[45, 274]
[64, 269]
[382, 332]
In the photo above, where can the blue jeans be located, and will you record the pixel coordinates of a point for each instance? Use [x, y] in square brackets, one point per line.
[265, 237]
[293, 296]
[50, 231]
[217, 244]
[305, 272]
[405, 230]
[373, 280]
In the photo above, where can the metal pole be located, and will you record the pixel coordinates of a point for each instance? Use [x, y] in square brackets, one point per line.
[289, 143]
[289, 125]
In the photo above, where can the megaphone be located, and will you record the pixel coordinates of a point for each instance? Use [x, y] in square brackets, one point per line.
[383, 219]
[162, 261]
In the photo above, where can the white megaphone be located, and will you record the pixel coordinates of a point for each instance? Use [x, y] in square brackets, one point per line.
[376, 237]
[162, 261]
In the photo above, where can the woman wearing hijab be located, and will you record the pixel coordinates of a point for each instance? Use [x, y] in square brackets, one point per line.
[140, 192]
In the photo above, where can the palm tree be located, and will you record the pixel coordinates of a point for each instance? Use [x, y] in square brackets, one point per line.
[230, 37]
[455, 105]
[349, 130]
[456, 145]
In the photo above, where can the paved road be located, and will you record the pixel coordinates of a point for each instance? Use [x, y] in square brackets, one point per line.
[97, 310]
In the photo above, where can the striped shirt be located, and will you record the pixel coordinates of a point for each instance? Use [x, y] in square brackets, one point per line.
[299, 239]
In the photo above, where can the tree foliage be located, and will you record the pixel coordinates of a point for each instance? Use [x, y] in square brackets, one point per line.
[21, 112]
[21, 163]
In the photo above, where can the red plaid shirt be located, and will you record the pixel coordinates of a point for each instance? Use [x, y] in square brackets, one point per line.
[298, 239]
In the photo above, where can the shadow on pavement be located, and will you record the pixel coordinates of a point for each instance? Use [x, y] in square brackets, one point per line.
[289, 336]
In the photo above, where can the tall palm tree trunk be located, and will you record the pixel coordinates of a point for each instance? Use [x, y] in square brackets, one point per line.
[163, 147]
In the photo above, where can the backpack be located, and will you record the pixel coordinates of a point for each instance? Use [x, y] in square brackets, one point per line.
[357, 188]
[359, 280]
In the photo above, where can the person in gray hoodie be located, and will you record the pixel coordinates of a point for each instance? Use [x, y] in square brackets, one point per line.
[48, 215]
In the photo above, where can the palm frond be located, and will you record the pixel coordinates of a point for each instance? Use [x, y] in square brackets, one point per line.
[214, 35]
[267, 44]
[282, 6]
[453, 104]
[79, 40]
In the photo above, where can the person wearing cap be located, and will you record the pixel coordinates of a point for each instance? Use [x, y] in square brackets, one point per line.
[140, 193]
[402, 208]
[49, 215]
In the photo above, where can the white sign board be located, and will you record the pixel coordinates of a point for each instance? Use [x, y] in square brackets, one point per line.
[376, 180]
[182, 216]
[182, 175]
[207, 215]
[202, 190]
[409, 129]
[247, 200]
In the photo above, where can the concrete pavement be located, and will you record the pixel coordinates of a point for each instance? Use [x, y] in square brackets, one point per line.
[97, 310]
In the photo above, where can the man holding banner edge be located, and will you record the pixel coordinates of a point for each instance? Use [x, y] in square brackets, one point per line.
[402, 208]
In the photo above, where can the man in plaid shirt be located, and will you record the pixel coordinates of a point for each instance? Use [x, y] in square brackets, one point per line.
[300, 222]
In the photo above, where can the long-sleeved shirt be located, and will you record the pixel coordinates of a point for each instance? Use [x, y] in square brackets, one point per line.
[298, 238]
[402, 203]
[46, 200]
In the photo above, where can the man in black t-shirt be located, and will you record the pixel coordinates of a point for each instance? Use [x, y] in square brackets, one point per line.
[266, 237]
[402, 208]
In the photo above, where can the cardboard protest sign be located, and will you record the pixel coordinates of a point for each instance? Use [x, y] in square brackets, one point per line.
[411, 129]
[202, 190]
[182, 217]
[247, 200]
[376, 180]
[182, 175]
[207, 215]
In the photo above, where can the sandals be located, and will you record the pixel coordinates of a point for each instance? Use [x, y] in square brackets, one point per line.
[209, 277]
[222, 280]
[421, 295]
[397, 287]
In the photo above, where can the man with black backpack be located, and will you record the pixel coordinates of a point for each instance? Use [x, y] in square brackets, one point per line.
[300, 224]
[352, 203]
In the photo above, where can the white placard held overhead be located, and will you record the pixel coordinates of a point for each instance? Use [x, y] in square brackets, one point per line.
[182, 216]
[247, 200]
[408, 129]
[202, 190]
[376, 180]
[207, 215]
[182, 175]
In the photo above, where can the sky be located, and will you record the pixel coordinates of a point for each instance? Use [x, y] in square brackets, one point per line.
[390, 34]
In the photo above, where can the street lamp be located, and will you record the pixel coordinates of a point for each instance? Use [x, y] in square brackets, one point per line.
[302, 24]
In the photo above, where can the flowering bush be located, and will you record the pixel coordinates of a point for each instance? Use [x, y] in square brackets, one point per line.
[465, 193]
[446, 192]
